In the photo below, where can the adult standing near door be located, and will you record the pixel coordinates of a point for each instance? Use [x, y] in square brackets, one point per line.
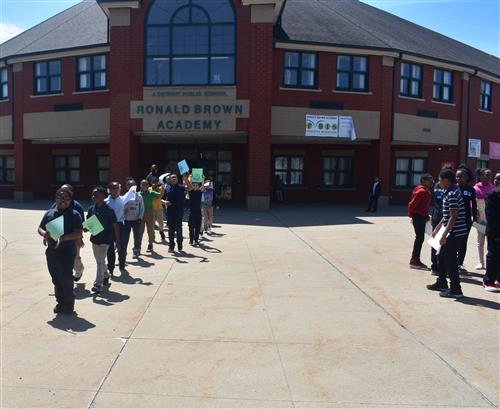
[375, 187]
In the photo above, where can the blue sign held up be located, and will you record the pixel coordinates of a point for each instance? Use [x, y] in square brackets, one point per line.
[183, 167]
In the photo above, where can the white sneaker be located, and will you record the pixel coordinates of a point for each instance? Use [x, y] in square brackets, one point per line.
[480, 266]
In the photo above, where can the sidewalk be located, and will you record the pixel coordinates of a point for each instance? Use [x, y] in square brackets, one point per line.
[303, 306]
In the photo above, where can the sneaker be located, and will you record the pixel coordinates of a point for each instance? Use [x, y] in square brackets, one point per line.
[197, 242]
[135, 254]
[57, 309]
[77, 276]
[179, 247]
[437, 287]
[463, 271]
[451, 294]
[417, 265]
[97, 288]
[162, 235]
[491, 288]
[150, 247]
[480, 266]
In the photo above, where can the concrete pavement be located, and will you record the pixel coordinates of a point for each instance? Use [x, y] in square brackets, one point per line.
[304, 306]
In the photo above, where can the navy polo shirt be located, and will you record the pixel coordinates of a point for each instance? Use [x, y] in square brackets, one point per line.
[175, 195]
[75, 205]
[72, 222]
[107, 217]
[195, 199]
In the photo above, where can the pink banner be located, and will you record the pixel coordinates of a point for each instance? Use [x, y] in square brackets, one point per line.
[494, 150]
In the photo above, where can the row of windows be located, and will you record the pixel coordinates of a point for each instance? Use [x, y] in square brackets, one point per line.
[300, 70]
[337, 171]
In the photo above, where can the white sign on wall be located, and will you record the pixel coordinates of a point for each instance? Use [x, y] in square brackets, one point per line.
[324, 126]
[474, 148]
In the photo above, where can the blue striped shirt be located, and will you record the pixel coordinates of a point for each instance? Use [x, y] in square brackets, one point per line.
[453, 200]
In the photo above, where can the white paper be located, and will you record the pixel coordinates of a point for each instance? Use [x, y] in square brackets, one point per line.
[481, 228]
[434, 241]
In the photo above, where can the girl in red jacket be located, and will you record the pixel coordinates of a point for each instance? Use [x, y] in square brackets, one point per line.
[418, 210]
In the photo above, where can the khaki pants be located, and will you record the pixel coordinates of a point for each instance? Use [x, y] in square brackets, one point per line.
[158, 218]
[208, 217]
[148, 222]
[100, 253]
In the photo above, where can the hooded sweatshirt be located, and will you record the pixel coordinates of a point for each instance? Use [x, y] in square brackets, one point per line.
[420, 201]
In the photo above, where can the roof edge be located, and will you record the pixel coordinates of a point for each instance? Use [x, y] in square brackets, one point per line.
[25, 56]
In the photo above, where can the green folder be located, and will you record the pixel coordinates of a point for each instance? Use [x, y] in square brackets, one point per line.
[197, 175]
[55, 228]
[93, 225]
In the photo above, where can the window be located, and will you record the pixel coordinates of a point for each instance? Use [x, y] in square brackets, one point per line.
[290, 169]
[485, 98]
[482, 164]
[4, 83]
[300, 70]
[352, 73]
[102, 169]
[337, 171]
[48, 77]
[66, 169]
[410, 83]
[6, 169]
[190, 42]
[408, 172]
[443, 86]
[91, 72]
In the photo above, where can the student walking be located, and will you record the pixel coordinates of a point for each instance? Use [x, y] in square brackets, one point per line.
[175, 196]
[134, 213]
[148, 221]
[482, 188]
[491, 279]
[463, 176]
[418, 211]
[374, 195]
[117, 203]
[157, 207]
[194, 222]
[61, 253]
[436, 215]
[207, 207]
[455, 230]
[102, 241]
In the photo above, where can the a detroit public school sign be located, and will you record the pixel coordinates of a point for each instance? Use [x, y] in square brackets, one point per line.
[193, 110]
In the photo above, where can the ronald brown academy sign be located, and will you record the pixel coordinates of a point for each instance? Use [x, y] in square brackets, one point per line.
[189, 111]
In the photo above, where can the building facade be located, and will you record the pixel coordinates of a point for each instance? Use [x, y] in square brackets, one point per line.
[103, 90]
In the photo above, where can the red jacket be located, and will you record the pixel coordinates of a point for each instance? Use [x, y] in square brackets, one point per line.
[420, 201]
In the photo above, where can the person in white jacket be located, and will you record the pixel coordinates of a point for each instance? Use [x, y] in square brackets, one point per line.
[134, 212]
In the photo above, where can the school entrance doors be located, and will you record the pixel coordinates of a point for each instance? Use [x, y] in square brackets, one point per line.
[216, 161]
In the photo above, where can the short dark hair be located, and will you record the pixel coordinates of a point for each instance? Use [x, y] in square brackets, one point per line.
[100, 189]
[63, 192]
[113, 184]
[466, 171]
[449, 175]
[426, 177]
[67, 188]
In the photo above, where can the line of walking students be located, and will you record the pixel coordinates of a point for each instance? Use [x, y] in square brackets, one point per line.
[120, 216]
[453, 203]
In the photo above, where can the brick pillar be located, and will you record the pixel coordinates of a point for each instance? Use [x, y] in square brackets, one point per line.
[384, 149]
[464, 108]
[122, 144]
[261, 82]
[22, 148]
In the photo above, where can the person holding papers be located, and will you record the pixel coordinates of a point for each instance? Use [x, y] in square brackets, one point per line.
[464, 175]
[175, 196]
[491, 280]
[61, 228]
[117, 203]
[148, 220]
[195, 192]
[454, 231]
[134, 213]
[418, 211]
[103, 228]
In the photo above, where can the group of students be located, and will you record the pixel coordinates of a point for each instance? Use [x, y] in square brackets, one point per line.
[454, 206]
[119, 216]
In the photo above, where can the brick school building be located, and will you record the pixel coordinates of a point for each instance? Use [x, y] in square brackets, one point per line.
[106, 88]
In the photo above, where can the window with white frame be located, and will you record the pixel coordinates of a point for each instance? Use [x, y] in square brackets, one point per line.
[290, 169]
[443, 86]
[411, 80]
[92, 73]
[300, 69]
[352, 73]
[48, 77]
[485, 97]
[4, 83]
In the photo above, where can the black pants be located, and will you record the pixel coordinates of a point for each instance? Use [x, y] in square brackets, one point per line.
[174, 229]
[135, 227]
[60, 265]
[121, 254]
[419, 227]
[194, 224]
[492, 261]
[448, 262]
[462, 248]
[373, 203]
[434, 256]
